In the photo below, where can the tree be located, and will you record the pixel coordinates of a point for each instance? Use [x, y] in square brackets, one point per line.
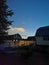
[4, 22]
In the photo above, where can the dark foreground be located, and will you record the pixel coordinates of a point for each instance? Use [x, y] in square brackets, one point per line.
[35, 58]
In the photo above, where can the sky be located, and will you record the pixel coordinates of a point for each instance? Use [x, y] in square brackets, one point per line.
[28, 16]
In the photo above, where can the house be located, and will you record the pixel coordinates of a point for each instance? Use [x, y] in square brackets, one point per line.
[42, 36]
[10, 40]
[23, 42]
[16, 40]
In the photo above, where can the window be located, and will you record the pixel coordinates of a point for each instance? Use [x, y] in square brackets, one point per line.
[46, 38]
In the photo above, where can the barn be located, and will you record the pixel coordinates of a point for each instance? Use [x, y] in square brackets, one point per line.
[42, 35]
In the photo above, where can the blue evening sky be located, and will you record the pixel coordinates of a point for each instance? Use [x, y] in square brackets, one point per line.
[29, 14]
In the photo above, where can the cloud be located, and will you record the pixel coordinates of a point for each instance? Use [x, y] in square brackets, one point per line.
[17, 29]
[20, 29]
[14, 30]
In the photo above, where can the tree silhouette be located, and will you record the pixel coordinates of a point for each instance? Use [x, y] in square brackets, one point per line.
[4, 22]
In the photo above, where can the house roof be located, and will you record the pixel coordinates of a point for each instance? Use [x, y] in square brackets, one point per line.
[43, 31]
[31, 38]
[11, 37]
[15, 36]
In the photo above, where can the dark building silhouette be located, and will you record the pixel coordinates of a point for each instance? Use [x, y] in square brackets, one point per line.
[10, 41]
[43, 31]
[14, 37]
[42, 35]
[32, 38]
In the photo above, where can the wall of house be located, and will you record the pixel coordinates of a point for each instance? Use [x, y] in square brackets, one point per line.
[41, 41]
[16, 43]
[24, 42]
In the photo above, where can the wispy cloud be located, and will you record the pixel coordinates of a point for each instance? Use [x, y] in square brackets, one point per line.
[24, 23]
